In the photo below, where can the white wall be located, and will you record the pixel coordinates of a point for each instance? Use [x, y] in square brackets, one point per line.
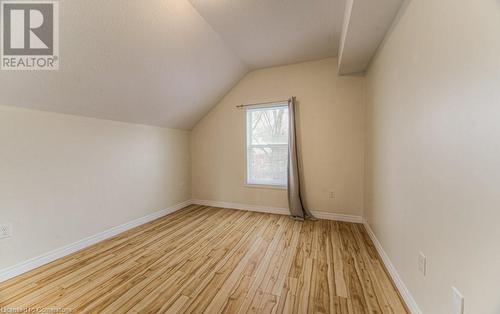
[63, 178]
[433, 153]
[331, 134]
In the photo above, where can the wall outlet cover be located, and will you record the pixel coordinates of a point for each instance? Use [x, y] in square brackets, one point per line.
[5, 230]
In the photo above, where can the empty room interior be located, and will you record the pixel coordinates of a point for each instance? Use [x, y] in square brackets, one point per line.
[250, 156]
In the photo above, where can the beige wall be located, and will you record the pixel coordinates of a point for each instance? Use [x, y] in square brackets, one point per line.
[63, 178]
[331, 132]
[433, 153]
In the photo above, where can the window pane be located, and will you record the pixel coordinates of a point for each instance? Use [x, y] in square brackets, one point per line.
[268, 165]
[269, 125]
[267, 145]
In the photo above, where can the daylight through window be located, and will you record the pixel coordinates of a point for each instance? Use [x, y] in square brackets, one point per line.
[267, 145]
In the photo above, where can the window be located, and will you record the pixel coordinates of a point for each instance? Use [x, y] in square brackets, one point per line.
[267, 145]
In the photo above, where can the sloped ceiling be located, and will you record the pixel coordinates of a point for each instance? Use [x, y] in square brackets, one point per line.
[167, 62]
[365, 26]
[153, 62]
[266, 33]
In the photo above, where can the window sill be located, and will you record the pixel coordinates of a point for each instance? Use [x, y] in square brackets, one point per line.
[265, 186]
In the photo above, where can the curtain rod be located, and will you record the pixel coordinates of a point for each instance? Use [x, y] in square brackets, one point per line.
[263, 103]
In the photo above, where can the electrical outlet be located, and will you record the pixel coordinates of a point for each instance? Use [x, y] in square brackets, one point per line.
[5, 230]
[422, 263]
[331, 194]
[458, 301]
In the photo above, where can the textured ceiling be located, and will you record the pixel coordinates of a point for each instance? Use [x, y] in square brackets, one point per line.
[273, 32]
[167, 62]
[365, 27]
[153, 62]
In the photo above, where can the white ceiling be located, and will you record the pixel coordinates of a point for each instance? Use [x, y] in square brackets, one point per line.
[153, 62]
[365, 26]
[167, 62]
[273, 32]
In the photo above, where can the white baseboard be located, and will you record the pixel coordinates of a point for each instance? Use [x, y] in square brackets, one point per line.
[403, 290]
[337, 217]
[278, 210]
[43, 259]
[253, 208]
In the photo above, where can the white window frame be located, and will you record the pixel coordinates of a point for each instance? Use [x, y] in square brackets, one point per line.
[269, 185]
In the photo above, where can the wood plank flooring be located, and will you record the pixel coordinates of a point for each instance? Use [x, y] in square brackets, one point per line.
[214, 260]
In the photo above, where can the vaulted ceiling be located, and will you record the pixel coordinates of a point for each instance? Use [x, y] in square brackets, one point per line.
[167, 62]
[266, 33]
[154, 62]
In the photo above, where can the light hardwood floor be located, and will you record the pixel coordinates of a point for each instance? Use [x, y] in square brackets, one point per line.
[214, 260]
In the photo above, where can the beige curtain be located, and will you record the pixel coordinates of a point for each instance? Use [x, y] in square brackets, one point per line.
[295, 203]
